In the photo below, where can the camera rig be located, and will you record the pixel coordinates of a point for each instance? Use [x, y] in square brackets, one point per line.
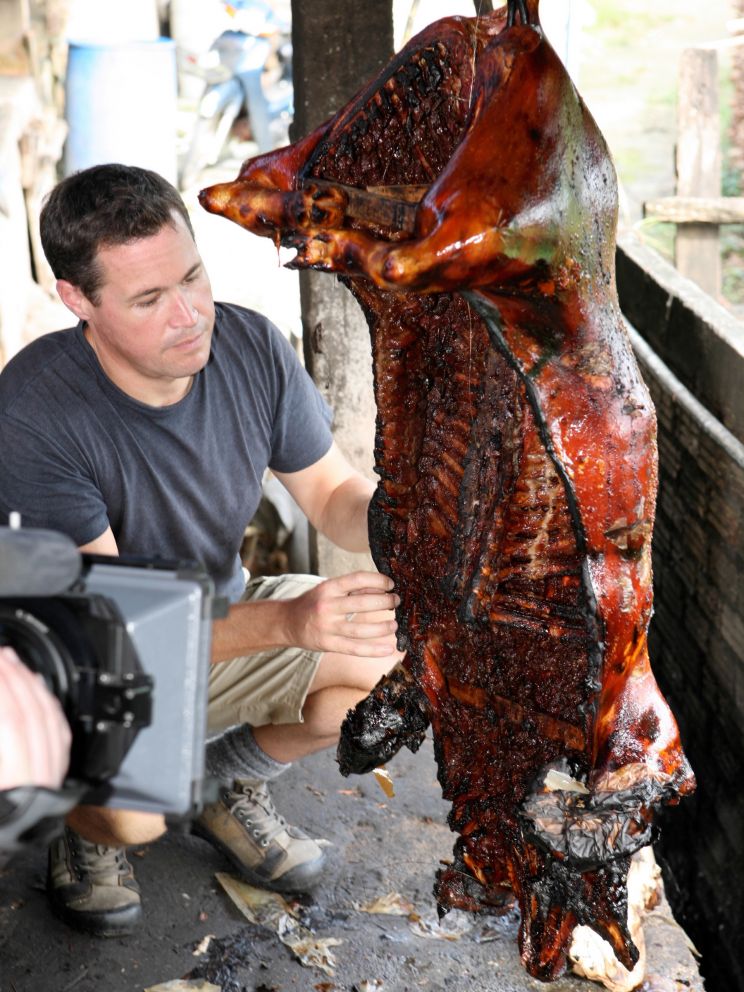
[124, 644]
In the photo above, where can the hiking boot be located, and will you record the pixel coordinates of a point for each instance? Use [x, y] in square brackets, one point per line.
[267, 852]
[92, 887]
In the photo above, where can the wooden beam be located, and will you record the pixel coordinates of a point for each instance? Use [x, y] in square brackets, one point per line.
[697, 249]
[696, 209]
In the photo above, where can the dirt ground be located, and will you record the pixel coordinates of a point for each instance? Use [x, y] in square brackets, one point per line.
[378, 846]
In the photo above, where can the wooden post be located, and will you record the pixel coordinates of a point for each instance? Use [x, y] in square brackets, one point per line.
[737, 85]
[697, 250]
[337, 46]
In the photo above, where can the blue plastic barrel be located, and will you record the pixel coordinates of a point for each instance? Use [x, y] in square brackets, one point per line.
[121, 105]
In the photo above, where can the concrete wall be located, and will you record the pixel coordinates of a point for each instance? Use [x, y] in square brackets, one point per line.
[18, 107]
[697, 634]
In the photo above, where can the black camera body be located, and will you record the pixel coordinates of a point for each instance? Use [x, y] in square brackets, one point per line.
[124, 645]
[79, 644]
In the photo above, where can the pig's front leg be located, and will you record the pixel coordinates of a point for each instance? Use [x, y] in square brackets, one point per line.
[446, 260]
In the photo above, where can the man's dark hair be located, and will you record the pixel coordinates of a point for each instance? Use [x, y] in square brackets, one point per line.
[99, 207]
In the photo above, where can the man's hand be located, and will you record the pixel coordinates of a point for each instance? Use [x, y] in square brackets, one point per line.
[34, 734]
[352, 614]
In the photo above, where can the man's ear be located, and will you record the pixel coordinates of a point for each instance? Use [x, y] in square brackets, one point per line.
[74, 299]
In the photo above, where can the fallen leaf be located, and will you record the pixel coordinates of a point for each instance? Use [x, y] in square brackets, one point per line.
[393, 904]
[384, 781]
[316, 792]
[369, 985]
[184, 985]
[312, 951]
[270, 910]
[258, 905]
[356, 792]
[203, 945]
[452, 927]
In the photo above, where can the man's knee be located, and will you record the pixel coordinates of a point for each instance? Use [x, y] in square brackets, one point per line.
[116, 827]
[352, 672]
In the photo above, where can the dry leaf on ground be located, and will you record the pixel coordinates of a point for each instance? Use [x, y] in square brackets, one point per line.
[203, 945]
[269, 910]
[184, 985]
[454, 926]
[393, 904]
[384, 781]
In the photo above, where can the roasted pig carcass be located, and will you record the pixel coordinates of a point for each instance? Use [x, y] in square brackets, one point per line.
[468, 199]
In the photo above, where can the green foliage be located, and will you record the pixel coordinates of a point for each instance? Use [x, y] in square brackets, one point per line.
[731, 179]
[628, 20]
[658, 235]
[732, 256]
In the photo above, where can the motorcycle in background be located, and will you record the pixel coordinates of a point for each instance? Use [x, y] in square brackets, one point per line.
[247, 73]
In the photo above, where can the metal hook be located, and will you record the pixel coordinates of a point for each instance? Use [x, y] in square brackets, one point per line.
[512, 7]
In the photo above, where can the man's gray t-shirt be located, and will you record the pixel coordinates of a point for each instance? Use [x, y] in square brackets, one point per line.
[180, 481]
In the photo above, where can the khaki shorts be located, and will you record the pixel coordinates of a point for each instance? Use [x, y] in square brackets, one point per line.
[269, 686]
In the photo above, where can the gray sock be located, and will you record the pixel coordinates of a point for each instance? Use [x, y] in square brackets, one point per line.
[235, 754]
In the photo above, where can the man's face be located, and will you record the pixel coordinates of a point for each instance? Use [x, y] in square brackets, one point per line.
[152, 325]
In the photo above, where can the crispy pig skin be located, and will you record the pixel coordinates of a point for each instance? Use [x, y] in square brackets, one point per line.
[516, 449]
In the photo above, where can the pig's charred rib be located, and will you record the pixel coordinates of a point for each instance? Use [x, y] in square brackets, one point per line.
[594, 625]
[548, 726]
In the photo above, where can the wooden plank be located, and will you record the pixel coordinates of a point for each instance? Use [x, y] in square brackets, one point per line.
[697, 251]
[696, 209]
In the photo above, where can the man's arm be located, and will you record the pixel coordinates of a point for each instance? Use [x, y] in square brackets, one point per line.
[319, 620]
[103, 545]
[334, 497]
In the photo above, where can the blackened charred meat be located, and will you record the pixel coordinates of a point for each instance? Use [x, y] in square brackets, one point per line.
[516, 451]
